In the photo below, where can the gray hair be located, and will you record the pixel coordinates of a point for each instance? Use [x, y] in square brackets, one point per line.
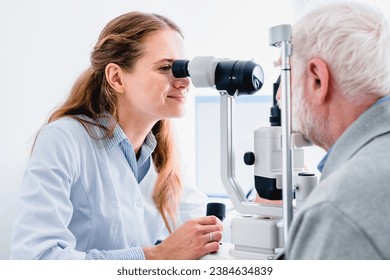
[353, 39]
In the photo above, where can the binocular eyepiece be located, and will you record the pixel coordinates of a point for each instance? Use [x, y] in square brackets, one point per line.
[233, 76]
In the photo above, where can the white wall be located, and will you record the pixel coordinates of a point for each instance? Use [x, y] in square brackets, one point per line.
[45, 45]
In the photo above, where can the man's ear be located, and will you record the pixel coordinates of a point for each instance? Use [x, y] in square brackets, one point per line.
[114, 76]
[318, 80]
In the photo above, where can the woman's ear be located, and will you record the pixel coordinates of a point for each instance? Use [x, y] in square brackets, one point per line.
[318, 80]
[114, 76]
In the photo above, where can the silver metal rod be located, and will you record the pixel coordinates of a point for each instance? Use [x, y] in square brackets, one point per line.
[286, 139]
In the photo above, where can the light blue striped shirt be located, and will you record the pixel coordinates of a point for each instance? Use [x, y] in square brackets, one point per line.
[141, 165]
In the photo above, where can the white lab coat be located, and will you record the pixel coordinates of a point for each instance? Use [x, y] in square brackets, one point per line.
[77, 196]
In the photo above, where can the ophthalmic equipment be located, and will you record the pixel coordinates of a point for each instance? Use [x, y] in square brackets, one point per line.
[260, 230]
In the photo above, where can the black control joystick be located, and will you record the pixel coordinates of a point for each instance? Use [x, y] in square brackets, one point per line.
[216, 209]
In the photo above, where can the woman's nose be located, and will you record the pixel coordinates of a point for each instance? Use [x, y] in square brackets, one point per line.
[181, 83]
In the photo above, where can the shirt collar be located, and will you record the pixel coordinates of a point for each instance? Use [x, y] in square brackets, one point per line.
[119, 135]
[383, 99]
[321, 164]
[150, 143]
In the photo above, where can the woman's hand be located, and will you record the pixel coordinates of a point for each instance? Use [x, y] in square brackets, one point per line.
[192, 240]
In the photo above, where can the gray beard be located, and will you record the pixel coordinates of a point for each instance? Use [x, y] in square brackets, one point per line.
[305, 119]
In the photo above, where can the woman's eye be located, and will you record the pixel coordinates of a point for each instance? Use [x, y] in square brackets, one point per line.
[166, 68]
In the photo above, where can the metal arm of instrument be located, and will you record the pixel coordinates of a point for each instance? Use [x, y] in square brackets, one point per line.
[228, 173]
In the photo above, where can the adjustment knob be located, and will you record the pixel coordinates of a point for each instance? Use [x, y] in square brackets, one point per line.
[249, 158]
[216, 209]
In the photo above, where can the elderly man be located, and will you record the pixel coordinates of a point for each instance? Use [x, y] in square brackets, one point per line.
[341, 102]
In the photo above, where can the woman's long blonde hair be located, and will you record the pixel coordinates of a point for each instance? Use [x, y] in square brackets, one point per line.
[121, 42]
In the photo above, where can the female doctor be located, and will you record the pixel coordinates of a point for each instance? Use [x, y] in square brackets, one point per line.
[103, 180]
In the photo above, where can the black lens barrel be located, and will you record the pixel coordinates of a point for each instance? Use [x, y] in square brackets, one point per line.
[180, 68]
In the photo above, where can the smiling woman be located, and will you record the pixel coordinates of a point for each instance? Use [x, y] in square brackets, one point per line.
[103, 180]
[151, 74]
